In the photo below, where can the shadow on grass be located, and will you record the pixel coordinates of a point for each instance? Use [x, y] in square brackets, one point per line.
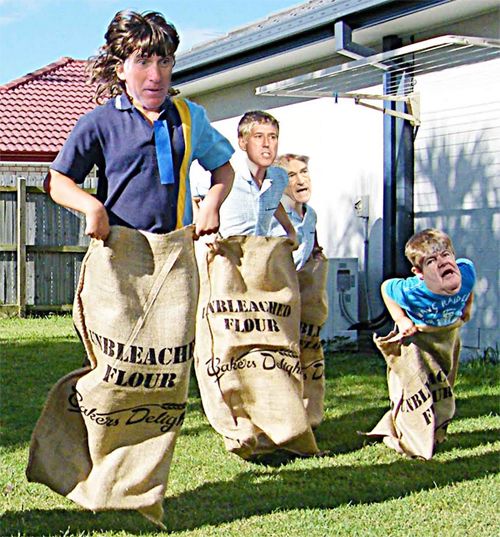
[26, 381]
[339, 364]
[476, 406]
[196, 430]
[320, 488]
[469, 441]
[248, 495]
[339, 435]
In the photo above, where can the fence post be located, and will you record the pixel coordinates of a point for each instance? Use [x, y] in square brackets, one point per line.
[21, 246]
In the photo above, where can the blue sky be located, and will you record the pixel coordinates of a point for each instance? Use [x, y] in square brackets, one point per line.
[34, 33]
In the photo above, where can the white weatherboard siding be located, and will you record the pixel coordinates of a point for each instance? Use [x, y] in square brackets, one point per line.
[457, 183]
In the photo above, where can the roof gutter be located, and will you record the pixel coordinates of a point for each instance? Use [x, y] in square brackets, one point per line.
[215, 58]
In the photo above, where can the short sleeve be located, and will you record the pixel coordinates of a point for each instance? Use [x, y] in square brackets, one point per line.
[279, 178]
[210, 147]
[395, 288]
[81, 151]
[468, 272]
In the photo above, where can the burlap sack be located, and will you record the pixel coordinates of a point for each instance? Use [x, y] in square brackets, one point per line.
[421, 373]
[106, 435]
[313, 315]
[247, 346]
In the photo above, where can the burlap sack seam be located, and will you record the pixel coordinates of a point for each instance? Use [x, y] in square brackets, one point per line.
[208, 322]
[153, 293]
[82, 328]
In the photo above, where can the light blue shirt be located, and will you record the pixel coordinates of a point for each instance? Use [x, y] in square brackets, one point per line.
[305, 227]
[249, 210]
[427, 308]
[208, 146]
[306, 230]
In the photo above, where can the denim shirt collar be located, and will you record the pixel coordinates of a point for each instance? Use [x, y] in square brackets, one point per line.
[247, 176]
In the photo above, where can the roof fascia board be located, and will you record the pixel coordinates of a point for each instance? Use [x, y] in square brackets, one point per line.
[393, 10]
[217, 56]
[242, 40]
[255, 55]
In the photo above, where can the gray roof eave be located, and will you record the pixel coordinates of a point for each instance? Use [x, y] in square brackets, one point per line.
[302, 25]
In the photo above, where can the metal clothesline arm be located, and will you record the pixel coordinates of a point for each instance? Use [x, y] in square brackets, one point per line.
[412, 101]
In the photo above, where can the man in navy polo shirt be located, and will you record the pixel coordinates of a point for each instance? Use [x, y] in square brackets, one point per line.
[138, 287]
[141, 141]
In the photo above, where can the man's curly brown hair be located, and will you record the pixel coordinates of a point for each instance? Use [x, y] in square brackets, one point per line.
[129, 32]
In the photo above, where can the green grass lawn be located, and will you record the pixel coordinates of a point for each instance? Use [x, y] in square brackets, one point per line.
[360, 489]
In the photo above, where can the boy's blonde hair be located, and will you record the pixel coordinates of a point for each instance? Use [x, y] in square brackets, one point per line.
[283, 160]
[256, 117]
[427, 242]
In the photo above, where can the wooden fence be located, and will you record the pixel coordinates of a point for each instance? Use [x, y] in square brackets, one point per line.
[41, 249]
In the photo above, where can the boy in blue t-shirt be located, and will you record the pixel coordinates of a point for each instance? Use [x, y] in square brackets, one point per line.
[439, 294]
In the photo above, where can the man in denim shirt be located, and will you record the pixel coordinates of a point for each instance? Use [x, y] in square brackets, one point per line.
[253, 206]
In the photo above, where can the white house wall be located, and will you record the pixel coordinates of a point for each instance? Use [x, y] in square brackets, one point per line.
[344, 143]
[456, 170]
[457, 185]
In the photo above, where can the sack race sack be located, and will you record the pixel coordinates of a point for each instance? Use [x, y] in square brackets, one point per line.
[313, 315]
[247, 346]
[107, 433]
[421, 373]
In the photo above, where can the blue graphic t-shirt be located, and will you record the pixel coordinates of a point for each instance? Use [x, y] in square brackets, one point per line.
[427, 308]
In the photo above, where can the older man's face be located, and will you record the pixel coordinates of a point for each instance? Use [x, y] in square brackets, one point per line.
[299, 182]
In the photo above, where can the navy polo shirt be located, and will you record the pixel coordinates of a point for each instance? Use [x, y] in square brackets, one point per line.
[119, 141]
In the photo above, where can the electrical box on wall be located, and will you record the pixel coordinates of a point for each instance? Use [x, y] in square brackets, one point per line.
[342, 288]
[362, 207]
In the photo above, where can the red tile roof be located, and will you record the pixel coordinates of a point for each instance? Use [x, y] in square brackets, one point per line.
[38, 110]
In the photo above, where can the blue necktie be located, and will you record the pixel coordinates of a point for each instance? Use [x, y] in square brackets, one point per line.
[164, 153]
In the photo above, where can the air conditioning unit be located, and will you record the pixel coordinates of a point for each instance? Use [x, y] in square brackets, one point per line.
[342, 287]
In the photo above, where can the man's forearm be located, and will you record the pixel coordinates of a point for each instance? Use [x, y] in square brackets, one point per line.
[65, 192]
[222, 182]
